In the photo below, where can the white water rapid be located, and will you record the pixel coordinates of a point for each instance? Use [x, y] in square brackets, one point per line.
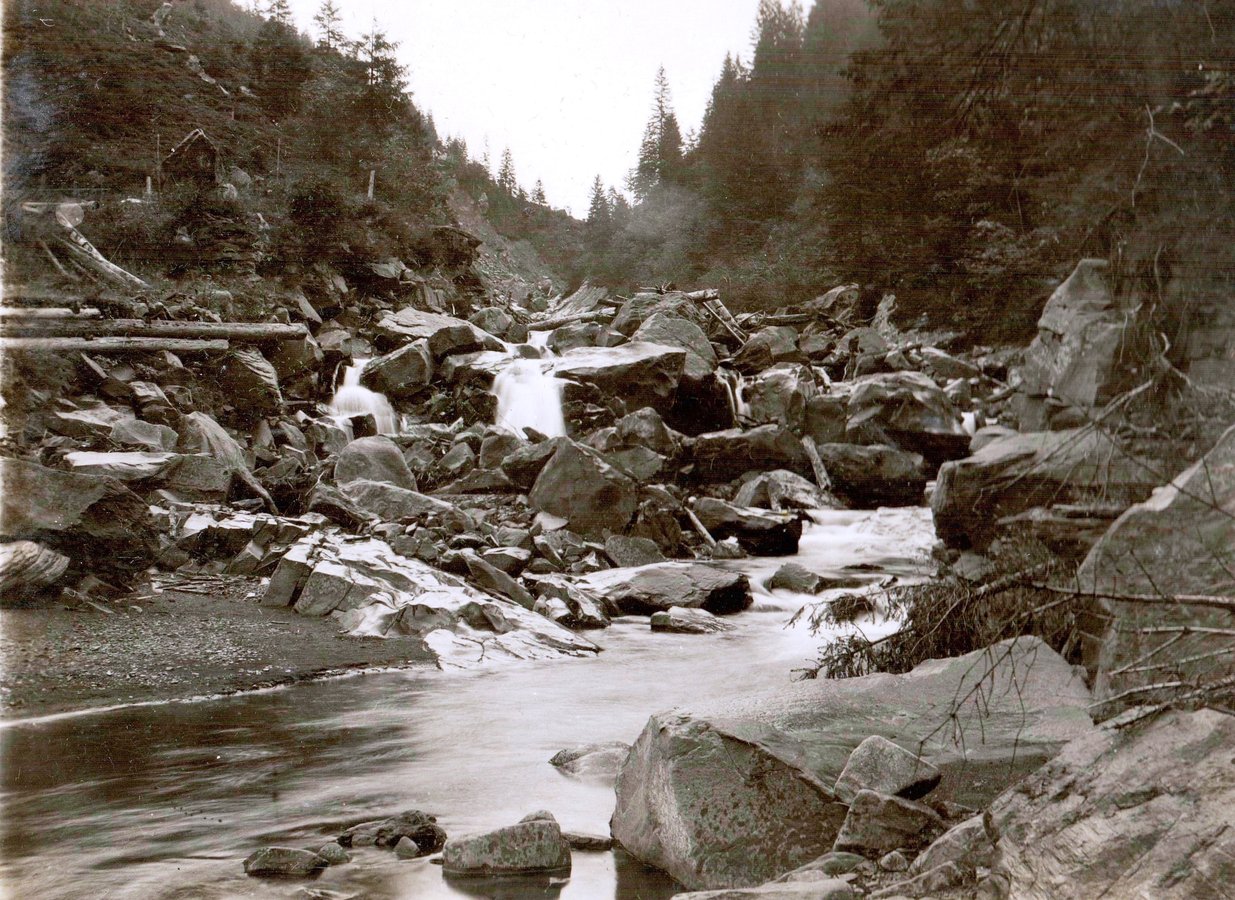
[353, 399]
[528, 396]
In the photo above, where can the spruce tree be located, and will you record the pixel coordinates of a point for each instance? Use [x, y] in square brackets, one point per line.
[279, 11]
[660, 151]
[327, 20]
[538, 194]
[506, 174]
[598, 211]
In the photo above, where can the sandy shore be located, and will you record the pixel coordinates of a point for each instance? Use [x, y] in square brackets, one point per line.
[175, 645]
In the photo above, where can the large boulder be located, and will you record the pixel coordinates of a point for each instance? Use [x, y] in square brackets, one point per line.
[250, 384]
[373, 591]
[1176, 544]
[1082, 352]
[670, 331]
[768, 346]
[1012, 474]
[1139, 813]
[906, 410]
[644, 590]
[374, 458]
[780, 489]
[401, 374]
[579, 486]
[779, 396]
[445, 335]
[534, 845]
[761, 532]
[724, 455]
[100, 525]
[391, 503]
[738, 793]
[873, 475]
[638, 374]
[126, 466]
[643, 306]
[27, 568]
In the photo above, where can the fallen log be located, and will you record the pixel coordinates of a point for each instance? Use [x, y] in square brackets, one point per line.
[549, 324]
[111, 344]
[240, 332]
[49, 312]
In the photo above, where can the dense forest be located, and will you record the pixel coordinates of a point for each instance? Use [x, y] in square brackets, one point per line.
[961, 154]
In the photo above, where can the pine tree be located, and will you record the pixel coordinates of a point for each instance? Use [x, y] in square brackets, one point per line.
[598, 211]
[538, 194]
[660, 151]
[279, 11]
[327, 20]
[506, 174]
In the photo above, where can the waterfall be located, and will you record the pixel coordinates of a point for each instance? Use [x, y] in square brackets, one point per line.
[528, 396]
[353, 399]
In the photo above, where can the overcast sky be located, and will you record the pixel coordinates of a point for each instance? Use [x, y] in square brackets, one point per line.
[566, 84]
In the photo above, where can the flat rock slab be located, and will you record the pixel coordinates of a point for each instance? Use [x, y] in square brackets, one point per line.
[735, 794]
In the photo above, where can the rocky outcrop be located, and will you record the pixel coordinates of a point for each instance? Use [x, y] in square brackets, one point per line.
[873, 475]
[1176, 544]
[1079, 358]
[1138, 813]
[99, 524]
[579, 486]
[736, 794]
[374, 591]
[725, 455]
[638, 374]
[646, 589]
[534, 845]
[1012, 474]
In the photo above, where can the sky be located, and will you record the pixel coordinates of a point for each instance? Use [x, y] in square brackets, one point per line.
[565, 84]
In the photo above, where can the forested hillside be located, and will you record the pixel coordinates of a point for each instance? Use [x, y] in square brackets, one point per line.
[961, 154]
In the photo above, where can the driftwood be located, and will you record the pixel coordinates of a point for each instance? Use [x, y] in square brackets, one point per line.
[240, 332]
[111, 344]
[821, 473]
[549, 324]
[48, 312]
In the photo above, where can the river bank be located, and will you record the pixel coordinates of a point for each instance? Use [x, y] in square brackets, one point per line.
[173, 646]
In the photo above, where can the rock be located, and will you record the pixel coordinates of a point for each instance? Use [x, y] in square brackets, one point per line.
[497, 447]
[100, 525]
[250, 384]
[95, 422]
[511, 560]
[406, 849]
[632, 551]
[283, 862]
[643, 306]
[589, 843]
[445, 335]
[825, 419]
[1012, 474]
[946, 367]
[577, 334]
[644, 428]
[144, 435]
[870, 476]
[200, 434]
[670, 331]
[1142, 812]
[780, 489]
[796, 578]
[639, 463]
[493, 579]
[826, 889]
[375, 458]
[638, 374]
[296, 357]
[688, 621]
[1084, 344]
[390, 503]
[26, 568]
[831, 863]
[334, 854]
[725, 455]
[878, 823]
[580, 487]
[374, 591]
[417, 828]
[878, 764]
[988, 434]
[492, 319]
[967, 844]
[599, 762]
[929, 884]
[402, 374]
[739, 792]
[531, 846]
[779, 396]
[767, 347]
[909, 411]
[1177, 543]
[647, 589]
[523, 465]
[759, 531]
[582, 608]
[122, 466]
[894, 861]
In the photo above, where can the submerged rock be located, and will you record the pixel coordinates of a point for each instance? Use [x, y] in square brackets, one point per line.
[592, 761]
[688, 621]
[283, 862]
[737, 793]
[418, 828]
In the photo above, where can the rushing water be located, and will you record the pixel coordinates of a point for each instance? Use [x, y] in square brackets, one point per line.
[352, 398]
[528, 396]
[166, 801]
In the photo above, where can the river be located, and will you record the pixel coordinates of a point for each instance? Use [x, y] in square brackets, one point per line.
[165, 801]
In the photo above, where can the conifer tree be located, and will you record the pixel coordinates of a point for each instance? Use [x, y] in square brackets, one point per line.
[506, 174]
[538, 194]
[382, 99]
[598, 211]
[327, 20]
[660, 151]
[279, 11]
